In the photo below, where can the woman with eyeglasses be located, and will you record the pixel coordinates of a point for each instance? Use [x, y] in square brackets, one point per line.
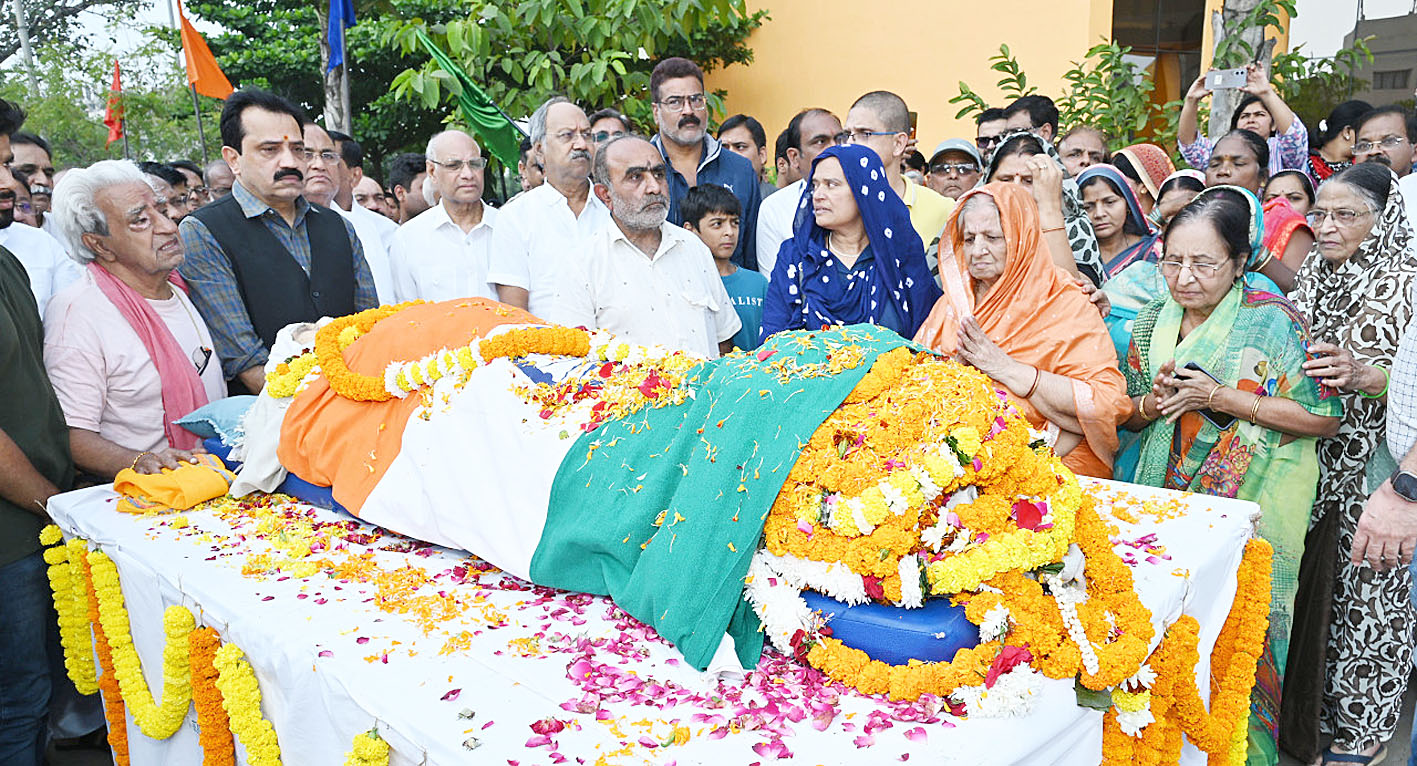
[1024, 159]
[1261, 110]
[1224, 407]
[1012, 313]
[854, 256]
[1352, 650]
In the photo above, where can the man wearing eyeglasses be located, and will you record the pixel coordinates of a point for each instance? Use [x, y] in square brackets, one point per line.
[170, 186]
[1386, 136]
[991, 125]
[326, 172]
[693, 156]
[263, 257]
[954, 168]
[443, 253]
[808, 134]
[35, 159]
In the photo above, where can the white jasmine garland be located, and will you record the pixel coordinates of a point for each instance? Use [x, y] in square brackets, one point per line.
[1013, 694]
[832, 579]
[778, 604]
[1133, 723]
[997, 622]
[1068, 598]
[910, 595]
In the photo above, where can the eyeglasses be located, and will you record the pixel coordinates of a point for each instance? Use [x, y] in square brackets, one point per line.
[328, 156]
[201, 357]
[1173, 267]
[953, 168]
[24, 207]
[1341, 217]
[695, 101]
[601, 136]
[567, 136]
[984, 142]
[859, 136]
[456, 166]
[1391, 142]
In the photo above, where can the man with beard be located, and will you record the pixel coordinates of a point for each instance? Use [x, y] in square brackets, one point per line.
[326, 173]
[694, 157]
[646, 280]
[442, 254]
[263, 257]
[1386, 135]
[552, 223]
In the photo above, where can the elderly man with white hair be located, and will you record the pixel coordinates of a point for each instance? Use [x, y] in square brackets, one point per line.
[124, 347]
[554, 221]
[442, 253]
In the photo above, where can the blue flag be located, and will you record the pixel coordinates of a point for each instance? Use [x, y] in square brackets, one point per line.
[341, 18]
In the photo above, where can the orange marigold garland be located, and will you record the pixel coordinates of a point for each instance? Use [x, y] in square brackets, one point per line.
[333, 338]
[113, 711]
[214, 727]
[563, 341]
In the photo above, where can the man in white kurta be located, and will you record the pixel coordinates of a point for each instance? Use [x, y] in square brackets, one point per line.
[552, 223]
[442, 253]
[44, 257]
[809, 132]
[646, 280]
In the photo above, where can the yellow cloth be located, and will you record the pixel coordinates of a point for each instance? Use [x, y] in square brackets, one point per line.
[178, 489]
[929, 211]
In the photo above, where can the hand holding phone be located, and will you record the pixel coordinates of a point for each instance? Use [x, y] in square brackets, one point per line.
[1194, 385]
[1217, 79]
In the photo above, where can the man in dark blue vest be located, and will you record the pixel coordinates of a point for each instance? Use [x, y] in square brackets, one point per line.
[264, 257]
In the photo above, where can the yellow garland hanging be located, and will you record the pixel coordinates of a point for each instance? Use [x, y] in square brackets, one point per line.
[333, 338]
[70, 589]
[284, 381]
[369, 749]
[241, 697]
[158, 721]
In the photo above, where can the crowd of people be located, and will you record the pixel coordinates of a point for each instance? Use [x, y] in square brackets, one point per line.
[1241, 328]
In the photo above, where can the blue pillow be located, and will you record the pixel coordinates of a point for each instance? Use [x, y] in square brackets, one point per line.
[220, 419]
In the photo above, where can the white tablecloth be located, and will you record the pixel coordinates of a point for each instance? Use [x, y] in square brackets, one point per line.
[331, 663]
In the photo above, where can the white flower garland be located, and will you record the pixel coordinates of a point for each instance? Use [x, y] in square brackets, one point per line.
[1013, 694]
[1068, 598]
[996, 624]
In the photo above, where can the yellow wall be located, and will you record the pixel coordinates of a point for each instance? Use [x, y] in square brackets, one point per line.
[920, 49]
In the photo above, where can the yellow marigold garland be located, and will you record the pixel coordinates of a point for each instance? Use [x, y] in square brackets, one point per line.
[369, 749]
[213, 725]
[113, 709]
[556, 341]
[241, 698]
[70, 588]
[284, 381]
[333, 338]
[158, 721]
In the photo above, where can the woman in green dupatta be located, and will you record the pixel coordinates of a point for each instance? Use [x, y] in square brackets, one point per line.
[1215, 371]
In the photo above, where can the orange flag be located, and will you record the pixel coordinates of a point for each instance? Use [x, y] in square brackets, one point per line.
[113, 116]
[202, 70]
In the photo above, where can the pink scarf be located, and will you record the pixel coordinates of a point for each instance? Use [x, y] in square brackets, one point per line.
[182, 389]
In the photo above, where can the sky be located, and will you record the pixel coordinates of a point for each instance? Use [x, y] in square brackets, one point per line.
[1321, 24]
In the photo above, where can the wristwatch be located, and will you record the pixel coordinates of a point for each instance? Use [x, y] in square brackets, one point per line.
[1404, 483]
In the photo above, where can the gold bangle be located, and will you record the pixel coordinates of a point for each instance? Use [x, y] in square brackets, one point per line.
[1255, 410]
[134, 466]
[1037, 376]
[1209, 400]
[1142, 407]
[1052, 229]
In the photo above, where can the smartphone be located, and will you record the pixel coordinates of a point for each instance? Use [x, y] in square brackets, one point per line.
[1220, 420]
[1218, 79]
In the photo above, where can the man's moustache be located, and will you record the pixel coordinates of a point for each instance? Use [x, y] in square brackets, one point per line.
[1381, 159]
[689, 120]
[289, 173]
[580, 154]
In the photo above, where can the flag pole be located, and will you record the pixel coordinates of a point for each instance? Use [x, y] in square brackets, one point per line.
[197, 110]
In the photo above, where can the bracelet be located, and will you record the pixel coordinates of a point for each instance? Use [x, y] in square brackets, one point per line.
[1142, 406]
[134, 466]
[1210, 399]
[1255, 409]
[1037, 376]
[1268, 256]
[1387, 381]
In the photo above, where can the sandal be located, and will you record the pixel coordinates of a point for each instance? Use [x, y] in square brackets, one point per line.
[1329, 757]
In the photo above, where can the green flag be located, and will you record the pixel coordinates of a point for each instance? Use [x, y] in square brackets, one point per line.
[499, 136]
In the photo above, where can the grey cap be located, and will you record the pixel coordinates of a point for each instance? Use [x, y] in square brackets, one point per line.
[958, 145]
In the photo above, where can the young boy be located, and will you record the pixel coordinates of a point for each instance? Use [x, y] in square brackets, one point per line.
[713, 212]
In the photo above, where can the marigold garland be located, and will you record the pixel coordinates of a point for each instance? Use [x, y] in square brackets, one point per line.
[369, 749]
[241, 698]
[284, 381]
[333, 338]
[70, 589]
[214, 727]
[113, 709]
[516, 343]
[158, 721]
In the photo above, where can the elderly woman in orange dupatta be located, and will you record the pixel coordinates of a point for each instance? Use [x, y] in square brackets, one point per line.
[1010, 312]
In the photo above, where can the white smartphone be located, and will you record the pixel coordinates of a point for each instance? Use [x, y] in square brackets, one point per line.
[1217, 79]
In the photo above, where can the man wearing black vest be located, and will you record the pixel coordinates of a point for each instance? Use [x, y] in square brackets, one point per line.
[263, 257]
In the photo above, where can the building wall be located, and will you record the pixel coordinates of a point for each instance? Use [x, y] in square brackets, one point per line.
[1394, 58]
[826, 53]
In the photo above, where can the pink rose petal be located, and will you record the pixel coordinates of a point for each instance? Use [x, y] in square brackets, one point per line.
[452, 695]
[865, 740]
[916, 734]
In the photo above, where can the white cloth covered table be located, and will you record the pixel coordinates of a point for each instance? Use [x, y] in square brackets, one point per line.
[332, 663]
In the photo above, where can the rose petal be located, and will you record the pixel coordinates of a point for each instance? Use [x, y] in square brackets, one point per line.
[452, 695]
[916, 734]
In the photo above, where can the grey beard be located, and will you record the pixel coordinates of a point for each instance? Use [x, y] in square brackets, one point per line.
[645, 218]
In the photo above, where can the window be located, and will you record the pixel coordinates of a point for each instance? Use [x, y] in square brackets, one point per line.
[1395, 79]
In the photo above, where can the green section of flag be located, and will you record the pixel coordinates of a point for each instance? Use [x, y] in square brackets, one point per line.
[499, 137]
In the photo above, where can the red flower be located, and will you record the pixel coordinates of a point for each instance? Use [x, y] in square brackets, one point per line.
[1028, 514]
[606, 369]
[873, 587]
[1009, 658]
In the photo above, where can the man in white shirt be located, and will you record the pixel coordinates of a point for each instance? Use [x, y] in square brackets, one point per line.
[324, 175]
[43, 257]
[808, 134]
[442, 253]
[647, 281]
[352, 159]
[552, 223]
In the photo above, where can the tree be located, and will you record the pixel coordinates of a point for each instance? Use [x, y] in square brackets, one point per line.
[54, 21]
[522, 52]
[1239, 30]
[1312, 87]
[275, 44]
[68, 110]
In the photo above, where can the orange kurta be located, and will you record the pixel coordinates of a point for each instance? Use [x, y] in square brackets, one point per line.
[1038, 316]
[336, 442]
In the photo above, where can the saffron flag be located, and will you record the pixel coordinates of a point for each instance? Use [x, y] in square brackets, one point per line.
[341, 18]
[202, 70]
[113, 116]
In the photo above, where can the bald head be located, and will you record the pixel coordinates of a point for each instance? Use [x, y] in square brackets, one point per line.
[219, 178]
[629, 178]
[880, 121]
[455, 165]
